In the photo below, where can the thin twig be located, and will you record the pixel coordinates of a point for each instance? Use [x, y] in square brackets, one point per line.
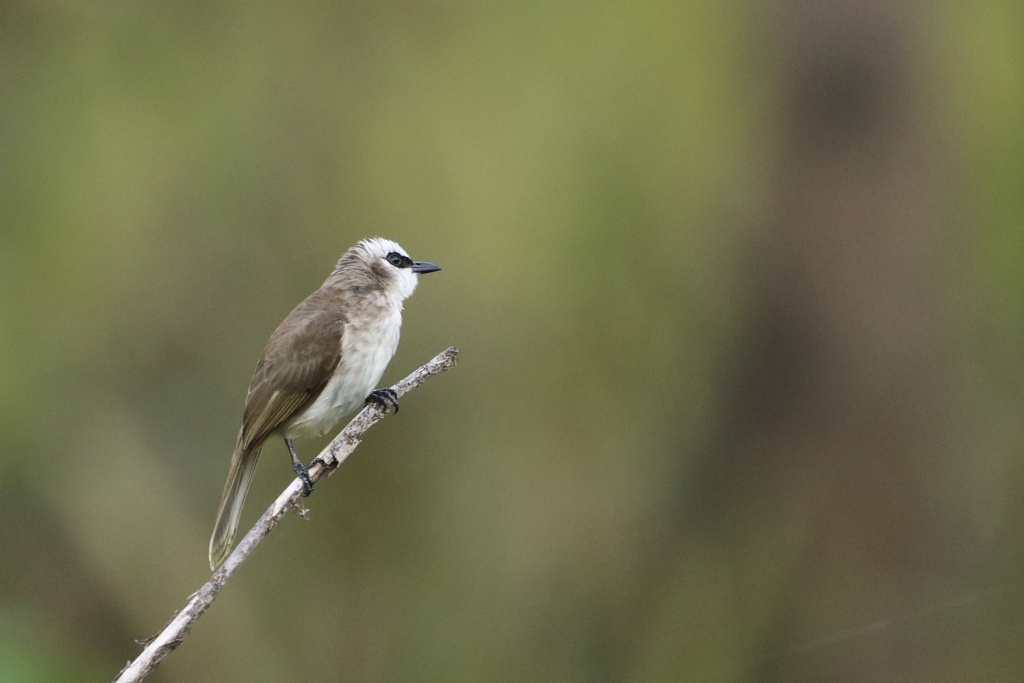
[333, 455]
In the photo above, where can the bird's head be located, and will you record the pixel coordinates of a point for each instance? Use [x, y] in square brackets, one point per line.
[381, 266]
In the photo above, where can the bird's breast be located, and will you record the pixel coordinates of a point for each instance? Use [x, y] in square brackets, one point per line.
[367, 346]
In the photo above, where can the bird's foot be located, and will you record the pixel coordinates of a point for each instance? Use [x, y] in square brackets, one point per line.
[387, 398]
[303, 473]
[301, 470]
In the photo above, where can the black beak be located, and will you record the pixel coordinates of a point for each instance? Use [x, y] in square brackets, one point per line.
[425, 267]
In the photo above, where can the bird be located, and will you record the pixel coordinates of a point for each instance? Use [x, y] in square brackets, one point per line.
[320, 364]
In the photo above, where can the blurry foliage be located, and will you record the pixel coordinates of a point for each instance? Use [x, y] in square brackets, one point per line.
[174, 177]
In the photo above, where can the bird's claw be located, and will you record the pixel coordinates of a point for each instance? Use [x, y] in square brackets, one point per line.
[386, 398]
[307, 483]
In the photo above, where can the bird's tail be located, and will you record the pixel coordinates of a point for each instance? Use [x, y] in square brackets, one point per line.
[243, 464]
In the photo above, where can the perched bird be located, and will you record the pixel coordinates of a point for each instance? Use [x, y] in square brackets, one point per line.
[321, 363]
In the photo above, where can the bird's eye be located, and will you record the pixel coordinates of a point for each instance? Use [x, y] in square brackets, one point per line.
[396, 259]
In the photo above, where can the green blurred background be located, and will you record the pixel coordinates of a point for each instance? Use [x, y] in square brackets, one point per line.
[738, 290]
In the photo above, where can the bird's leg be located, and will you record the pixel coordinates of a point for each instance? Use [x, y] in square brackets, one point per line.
[301, 470]
[385, 397]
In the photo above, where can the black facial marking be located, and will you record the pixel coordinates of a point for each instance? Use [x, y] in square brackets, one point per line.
[398, 260]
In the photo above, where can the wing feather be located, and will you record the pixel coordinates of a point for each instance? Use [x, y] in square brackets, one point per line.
[297, 363]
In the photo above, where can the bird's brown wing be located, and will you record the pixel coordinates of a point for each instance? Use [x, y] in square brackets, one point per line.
[297, 363]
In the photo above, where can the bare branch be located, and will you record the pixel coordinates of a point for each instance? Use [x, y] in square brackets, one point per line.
[333, 455]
